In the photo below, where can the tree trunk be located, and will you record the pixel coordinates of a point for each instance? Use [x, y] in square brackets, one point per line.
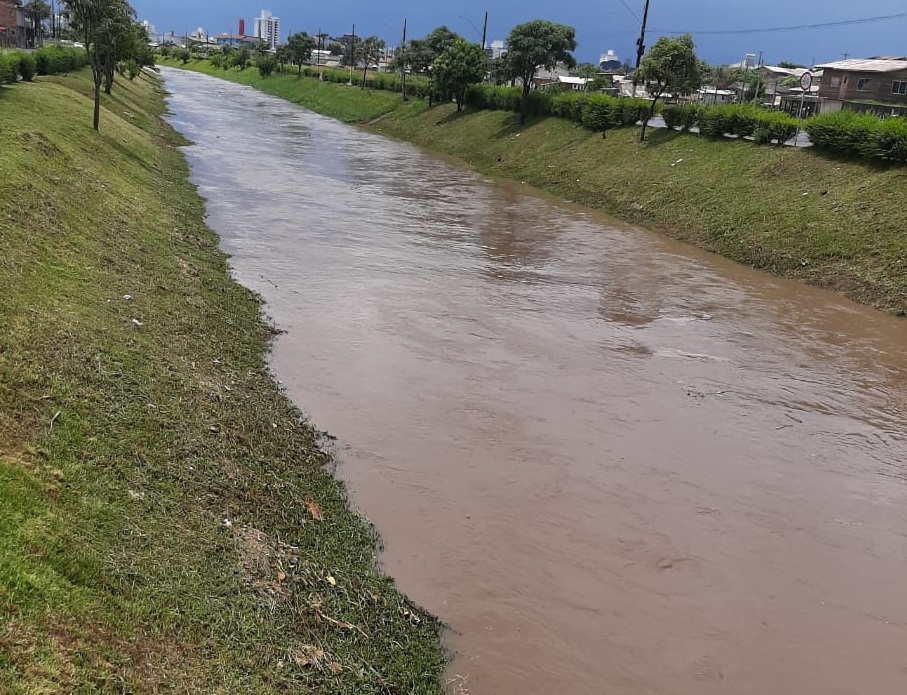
[642, 132]
[108, 80]
[524, 102]
[97, 102]
[299, 74]
[364, 72]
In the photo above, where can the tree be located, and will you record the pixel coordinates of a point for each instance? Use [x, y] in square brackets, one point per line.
[36, 11]
[299, 49]
[460, 65]
[587, 70]
[670, 66]
[369, 50]
[241, 57]
[535, 45]
[335, 48]
[790, 66]
[103, 26]
[422, 53]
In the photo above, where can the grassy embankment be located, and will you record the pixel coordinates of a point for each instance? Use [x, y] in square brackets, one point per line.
[167, 522]
[796, 213]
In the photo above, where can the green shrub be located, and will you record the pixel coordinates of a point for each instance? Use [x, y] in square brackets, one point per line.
[9, 68]
[27, 66]
[683, 116]
[267, 64]
[53, 61]
[860, 135]
[598, 114]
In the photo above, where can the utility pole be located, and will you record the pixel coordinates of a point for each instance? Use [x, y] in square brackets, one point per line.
[641, 44]
[485, 30]
[352, 54]
[403, 61]
[318, 55]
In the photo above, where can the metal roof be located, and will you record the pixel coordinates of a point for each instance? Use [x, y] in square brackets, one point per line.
[868, 65]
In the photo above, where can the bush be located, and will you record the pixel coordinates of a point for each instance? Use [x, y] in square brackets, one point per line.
[683, 116]
[27, 66]
[857, 135]
[53, 61]
[267, 64]
[9, 68]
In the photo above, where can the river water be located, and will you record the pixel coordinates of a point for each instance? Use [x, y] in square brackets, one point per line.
[609, 462]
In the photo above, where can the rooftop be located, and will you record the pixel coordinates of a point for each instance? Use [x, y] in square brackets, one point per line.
[867, 65]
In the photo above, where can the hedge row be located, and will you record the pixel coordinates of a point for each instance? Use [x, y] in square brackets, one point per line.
[852, 134]
[742, 120]
[596, 112]
[44, 61]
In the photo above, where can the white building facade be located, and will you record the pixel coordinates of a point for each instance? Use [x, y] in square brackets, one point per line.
[267, 28]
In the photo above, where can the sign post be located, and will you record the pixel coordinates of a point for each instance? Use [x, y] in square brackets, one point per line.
[806, 81]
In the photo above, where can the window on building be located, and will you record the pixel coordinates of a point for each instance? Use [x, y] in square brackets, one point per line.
[898, 87]
[835, 82]
[863, 84]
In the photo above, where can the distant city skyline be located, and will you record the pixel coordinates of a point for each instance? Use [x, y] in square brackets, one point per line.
[724, 30]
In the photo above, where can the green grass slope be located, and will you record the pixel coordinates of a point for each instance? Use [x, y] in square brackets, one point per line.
[168, 523]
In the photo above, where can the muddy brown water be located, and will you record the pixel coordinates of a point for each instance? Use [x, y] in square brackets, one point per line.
[609, 462]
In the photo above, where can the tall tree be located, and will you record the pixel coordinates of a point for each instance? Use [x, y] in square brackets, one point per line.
[535, 45]
[299, 49]
[670, 66]
[98, 23]
[460, 65]
[369, 51]
[421, 53]
[36, 11]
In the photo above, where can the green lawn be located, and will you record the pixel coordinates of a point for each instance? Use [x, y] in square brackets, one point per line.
[158, 494]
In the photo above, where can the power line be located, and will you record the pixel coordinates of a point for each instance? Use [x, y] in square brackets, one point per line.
[798, 27]
[630, 10]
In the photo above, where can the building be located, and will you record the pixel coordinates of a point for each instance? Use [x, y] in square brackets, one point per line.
[609, 62]
[497, 48]
[7, 21]
[874, 85]
[267, 28]
[237, 39]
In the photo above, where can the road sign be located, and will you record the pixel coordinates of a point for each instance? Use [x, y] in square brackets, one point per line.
[806, 81]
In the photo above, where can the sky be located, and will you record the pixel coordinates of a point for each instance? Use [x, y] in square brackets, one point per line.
[716, 25]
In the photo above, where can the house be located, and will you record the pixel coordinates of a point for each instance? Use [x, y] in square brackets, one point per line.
[568, 83]
[712, 96]
[544, 77]
[873, 85]
[12, 24]
[237, 39]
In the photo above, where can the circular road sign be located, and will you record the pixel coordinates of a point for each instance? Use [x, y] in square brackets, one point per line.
[806, 81]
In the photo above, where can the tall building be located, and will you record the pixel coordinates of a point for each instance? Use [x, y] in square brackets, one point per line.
[267, 28]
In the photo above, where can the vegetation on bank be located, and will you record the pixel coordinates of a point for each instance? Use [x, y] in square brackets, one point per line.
[168, 523]
[835, 223]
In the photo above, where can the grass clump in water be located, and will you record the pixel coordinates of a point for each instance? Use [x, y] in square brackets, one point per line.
[167, 521]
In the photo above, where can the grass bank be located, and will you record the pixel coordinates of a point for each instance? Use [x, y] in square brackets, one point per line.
[833, 223]
[168, 524]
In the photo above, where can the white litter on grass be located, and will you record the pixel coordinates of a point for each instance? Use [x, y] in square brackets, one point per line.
[677, 162]
[137, 322]
[127, 297]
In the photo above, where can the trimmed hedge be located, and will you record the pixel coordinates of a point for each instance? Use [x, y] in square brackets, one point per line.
[53, 61]
[741, 120]
[597, 112]
[857, 135]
